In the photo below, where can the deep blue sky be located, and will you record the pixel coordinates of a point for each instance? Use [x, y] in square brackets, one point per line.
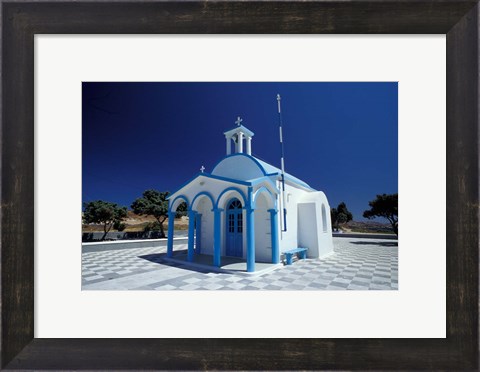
[341, 138]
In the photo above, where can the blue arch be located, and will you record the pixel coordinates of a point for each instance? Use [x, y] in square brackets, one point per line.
[231, 189]
[174, 200]
[259, 191]
[206, 193]
[230, 201]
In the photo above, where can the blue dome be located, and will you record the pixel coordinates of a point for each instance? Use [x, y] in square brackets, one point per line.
[244, 167]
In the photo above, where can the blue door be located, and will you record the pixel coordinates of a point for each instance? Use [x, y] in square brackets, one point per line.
[234, 229]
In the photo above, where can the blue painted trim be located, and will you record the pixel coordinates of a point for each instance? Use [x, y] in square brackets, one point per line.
[287, 175]
[206, 193]
[245, 183]
[174, 200]
[217, 244]
[258, 192]
[264, 179]
[292, 179]
[171, 231]
[229, 201]
[183, 185]
[250, 240]
[208, 175]
[245, 200]
[298, 182]
[274, 235]
[250, 198]
[191, 235]
[255, 160]
[190, 181]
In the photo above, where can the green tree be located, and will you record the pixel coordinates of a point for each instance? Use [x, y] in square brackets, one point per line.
[153, 203]
[105, 213]
[340, 215]
[181, 210]
[386, 206]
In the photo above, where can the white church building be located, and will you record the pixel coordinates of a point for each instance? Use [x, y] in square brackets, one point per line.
[243, 209]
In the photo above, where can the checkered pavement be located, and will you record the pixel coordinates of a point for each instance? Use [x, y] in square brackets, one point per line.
[356, 264]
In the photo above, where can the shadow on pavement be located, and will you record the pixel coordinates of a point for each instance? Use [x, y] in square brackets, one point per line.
[159, 259]
[381, 244]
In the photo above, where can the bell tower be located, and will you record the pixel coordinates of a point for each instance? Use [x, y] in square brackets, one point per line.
[238, 135]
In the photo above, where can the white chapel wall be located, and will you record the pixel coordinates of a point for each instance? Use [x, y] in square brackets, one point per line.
[205, 208]
[325, 242]
[307, 226]
[293, 238]
[263, 237]
[288, 239]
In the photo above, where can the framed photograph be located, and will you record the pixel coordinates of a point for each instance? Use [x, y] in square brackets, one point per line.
[46, 314]
[267, 218]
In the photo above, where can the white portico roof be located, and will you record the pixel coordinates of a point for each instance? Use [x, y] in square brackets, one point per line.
[238, 129]
[215, 185]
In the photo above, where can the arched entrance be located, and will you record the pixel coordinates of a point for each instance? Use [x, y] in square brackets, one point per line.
[173, 206]
[266, 226]
[202, 206]
[234, 228]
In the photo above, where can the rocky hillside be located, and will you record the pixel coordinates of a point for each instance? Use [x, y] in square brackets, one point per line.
[138, 223]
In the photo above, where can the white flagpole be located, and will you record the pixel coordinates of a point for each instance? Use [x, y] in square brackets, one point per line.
[282, 164]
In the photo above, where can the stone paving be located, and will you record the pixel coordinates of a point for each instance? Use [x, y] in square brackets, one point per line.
[356, 264]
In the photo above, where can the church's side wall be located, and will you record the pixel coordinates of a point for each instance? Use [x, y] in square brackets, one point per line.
[317, 203]
[288, 239]
[307, 228]
[311, 228]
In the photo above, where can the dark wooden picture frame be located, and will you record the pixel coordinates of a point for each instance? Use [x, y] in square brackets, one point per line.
[21, 20]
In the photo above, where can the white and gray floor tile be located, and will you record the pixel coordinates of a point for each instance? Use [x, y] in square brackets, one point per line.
[356, 264]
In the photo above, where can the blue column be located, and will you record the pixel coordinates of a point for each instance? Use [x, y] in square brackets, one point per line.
[191, 234]
[250, 240]
[274, 234]
[217, 244]
[198, 228]
[171, 227]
